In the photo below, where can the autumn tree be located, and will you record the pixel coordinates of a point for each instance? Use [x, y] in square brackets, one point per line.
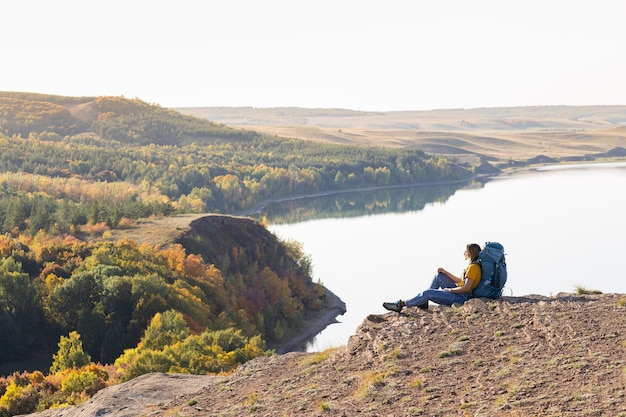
[70, 354]
[165, 329]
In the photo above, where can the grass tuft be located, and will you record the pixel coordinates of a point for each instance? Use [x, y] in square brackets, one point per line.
[468, 405]
[323, 406]
[372, 383]
[580, 290]
[449, 353]
[315, 358]
[417, 383]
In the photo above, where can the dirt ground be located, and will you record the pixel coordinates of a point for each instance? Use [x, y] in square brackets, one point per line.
[522, 356]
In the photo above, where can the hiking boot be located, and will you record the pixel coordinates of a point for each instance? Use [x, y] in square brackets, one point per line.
[423, 306]
[397, 306]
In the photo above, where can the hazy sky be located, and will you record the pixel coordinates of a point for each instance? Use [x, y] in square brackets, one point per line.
[356, 54]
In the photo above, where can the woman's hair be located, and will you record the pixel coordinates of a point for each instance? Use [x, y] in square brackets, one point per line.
[474, 250]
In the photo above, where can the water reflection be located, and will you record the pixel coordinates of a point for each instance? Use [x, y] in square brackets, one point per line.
[360, 203]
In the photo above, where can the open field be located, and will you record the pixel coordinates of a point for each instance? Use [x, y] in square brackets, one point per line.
[519, 133]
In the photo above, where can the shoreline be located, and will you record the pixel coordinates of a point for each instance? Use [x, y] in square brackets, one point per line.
[313, 324]
[260, 206]
[507, 171]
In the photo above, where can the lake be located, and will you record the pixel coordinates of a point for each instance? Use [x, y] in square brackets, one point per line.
[562, 227]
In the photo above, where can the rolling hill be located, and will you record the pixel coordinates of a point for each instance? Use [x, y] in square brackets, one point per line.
[496, 134]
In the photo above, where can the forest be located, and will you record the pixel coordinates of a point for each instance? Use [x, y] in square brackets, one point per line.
[102, 311]
[116, 310]
[62, 159]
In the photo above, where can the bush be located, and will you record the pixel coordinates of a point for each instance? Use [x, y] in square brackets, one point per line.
[79, 382]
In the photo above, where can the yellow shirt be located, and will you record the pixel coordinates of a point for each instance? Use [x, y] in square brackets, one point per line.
[472, 272]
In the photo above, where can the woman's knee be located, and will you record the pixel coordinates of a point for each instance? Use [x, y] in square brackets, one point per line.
[444, 281]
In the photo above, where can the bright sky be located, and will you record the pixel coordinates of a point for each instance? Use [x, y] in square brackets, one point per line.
[355, 54]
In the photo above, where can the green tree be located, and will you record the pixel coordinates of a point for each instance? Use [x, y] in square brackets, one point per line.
[149, 296]
[165, 329]
[70, 354]
[118, 310]
[16, 211]
[77, 305]
[75, 302]
[18, 318]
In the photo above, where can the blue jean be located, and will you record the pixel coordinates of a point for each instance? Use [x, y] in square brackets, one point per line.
[436, 295]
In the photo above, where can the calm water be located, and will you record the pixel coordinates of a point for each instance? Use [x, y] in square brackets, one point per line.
[562, 227]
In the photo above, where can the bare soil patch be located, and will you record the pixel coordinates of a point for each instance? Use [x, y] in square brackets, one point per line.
[156, 231]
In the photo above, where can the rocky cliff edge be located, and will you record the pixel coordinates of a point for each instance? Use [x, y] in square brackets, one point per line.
[519, 356]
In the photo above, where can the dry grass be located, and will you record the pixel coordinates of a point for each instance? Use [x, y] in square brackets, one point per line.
[502, 133]
[501, 145]
[159, 231]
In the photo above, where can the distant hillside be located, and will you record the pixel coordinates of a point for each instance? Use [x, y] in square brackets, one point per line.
[114, 118]
[479, 119]
[498, 135]
[63, 157]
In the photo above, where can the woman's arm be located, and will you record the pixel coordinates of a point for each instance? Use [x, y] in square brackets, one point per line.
[467, 287]
[449, 275]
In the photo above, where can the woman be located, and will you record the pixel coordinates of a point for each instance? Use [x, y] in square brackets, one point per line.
[446, 288]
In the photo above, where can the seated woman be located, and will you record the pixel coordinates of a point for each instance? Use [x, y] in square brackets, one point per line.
[446, 288]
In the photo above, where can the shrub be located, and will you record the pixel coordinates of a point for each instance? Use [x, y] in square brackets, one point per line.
[580, 290]
[70, 354]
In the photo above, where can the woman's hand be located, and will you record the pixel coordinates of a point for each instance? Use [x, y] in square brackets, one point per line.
[449, 275]
[467, 287]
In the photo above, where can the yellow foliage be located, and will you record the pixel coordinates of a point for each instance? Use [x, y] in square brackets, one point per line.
[73, 188]
[78, 382]
[193, 266]
[127, 358]
[53, 248]
[70, 353]
[11, 395]
[96, 229]
[126, 223]
[37, 377]
[175, 257]
[214, 275]
[7, 245]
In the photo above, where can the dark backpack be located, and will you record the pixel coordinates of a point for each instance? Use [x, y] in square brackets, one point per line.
[493, 277]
